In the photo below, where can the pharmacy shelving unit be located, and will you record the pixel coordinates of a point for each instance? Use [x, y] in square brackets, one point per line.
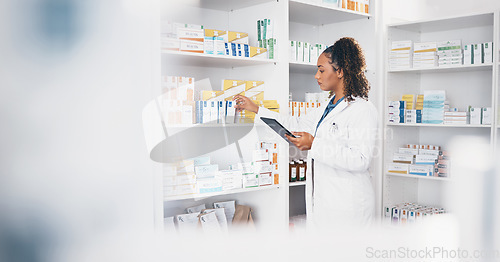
[227, 143]
[315, 22]
[465, 85]
[301, 20]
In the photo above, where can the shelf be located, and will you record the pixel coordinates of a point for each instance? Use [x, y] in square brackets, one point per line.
[305, 12]
[227, 5]
[441, 69]
[303, 67]
[235, 191]
[420, 177]
[298, 183]
[210, 125]
[205, 60]
[436, 125]
[445, 24]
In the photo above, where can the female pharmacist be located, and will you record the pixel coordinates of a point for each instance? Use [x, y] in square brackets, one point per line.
[340, 137]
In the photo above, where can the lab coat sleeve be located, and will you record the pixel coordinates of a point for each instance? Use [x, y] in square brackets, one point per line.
[352, 151]
[292, 123]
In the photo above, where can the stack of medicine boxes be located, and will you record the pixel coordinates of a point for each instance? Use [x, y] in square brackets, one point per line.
[434, 104]
[177, 99]
[396, 111]
[424, 55]
[263, 170]
[305, 52]
[401, 55]
[231, 87]
[416, 160]
[478, 53]
[182, 37]
[450, 53]
[179, 178]
[410, 213]
[265, 36]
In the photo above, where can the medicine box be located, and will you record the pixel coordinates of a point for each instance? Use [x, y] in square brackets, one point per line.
[168, 43]
[402, 158]
[293, 50]
[236, 37]
[254, 86]
[258, 52]
[250, 180]
[215, 33]
[202, 160]
[486, 116]
[468, 54]
[191, 46]
[219, 46]
[180, 190]
[422, 170]
[260, 155]
[429, 152]
[306, 52]
[300, 51]
[408, 151]
[266, 179]
[208, 45]
[262, 167]
[246, 168]
[191, 34]
[425, 159]
[398, 168]
[211, 95]
[487, 52]
[477, 53]
[231, 179]
[209, 185]
[181, 167]
[179, 180]
[475, 115]
[230, 112]
[206, 171]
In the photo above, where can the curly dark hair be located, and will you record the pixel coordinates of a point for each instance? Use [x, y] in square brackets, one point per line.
[347, 54]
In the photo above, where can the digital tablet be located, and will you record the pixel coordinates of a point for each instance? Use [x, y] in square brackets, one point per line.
[277, 127]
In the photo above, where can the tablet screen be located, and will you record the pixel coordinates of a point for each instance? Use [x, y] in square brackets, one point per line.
[277, 127]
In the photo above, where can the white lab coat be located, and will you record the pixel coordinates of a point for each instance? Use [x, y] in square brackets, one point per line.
[338, 187]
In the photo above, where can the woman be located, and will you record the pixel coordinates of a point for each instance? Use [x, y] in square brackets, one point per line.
[340, 137]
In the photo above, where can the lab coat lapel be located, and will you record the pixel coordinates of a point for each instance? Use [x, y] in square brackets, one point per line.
[339, 108]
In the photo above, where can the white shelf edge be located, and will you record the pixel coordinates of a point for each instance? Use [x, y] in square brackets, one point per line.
[302, 63]
[422, 21]
[213, 125]
[329, 7]
[298, 183]
[436, 125]
[440, 68]
[221, 57]
[419, 177]
[222, 193]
